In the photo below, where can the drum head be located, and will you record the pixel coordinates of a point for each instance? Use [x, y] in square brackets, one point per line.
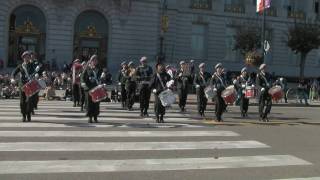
[42, 84]
[228, 92]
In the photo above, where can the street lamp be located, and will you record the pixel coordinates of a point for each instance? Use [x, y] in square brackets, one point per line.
[164, 29]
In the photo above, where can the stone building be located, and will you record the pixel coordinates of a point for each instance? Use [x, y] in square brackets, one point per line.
[62, 30]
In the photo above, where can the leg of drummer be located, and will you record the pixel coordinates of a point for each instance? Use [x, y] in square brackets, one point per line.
[147, 100]
[261, 106]
[268, 107]
[242, 104]
[246, 106]
[23, 106]
[199, 101]
[142, 100]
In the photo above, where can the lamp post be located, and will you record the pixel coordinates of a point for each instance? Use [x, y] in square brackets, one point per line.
[163, 30]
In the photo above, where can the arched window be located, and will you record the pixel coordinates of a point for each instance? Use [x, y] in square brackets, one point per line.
[91, 35]
[27, 30]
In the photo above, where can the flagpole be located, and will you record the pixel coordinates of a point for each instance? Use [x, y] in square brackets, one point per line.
[263, 30]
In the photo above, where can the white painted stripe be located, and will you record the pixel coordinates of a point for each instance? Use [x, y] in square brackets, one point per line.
[84, 118]
[52, 125]
[116, 133]
[127, 146]
[68, 166]
[310, 178]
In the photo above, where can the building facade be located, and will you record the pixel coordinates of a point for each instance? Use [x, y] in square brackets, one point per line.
[60, 31]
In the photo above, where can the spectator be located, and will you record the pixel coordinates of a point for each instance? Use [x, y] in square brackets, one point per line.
[314, 90]
[302, 91]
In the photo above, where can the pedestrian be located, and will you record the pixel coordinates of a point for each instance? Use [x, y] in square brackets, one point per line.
[131, 85]
[122, 83]
[183, 79]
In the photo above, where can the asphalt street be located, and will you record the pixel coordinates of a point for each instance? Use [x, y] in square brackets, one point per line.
[60, 144]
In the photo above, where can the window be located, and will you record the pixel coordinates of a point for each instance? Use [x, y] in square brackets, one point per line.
[201, 4]
[316, 7]
[230, 54]
[234, 6]
[198, 41]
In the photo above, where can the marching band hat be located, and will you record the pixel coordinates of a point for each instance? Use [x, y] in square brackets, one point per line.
[25, 53]
[76, 61]
[191, 61]
[182, 62]
[123, 63]
[143, 59]
[244, 70]
[262, 66]
[202, 65]
[130, 63]
[219, 65]
[168, 66]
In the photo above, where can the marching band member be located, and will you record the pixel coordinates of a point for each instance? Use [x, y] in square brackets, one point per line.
[219, 83]
[241, 83]
[76, 69]
[131, 85]
[263, 82]
[36, 66]
[200, 82]
[83, 102]
[158, 84]
[183, 80]
[89, 80]
[122, 82]
[25, 70]
[144, 73]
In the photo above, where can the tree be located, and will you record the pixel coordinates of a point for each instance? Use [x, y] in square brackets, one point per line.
[247, 41]
[303, 38]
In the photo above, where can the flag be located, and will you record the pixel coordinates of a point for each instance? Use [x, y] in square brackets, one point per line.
[263, 4]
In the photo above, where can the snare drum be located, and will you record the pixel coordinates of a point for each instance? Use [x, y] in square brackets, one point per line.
[167, 98]
[276, 93]
[31, 88]
[250, 92]
[229, 95]
[208, 91]
[98, 94]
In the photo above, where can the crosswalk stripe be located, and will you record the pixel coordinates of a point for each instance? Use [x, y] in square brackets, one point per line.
[310, 178]
[115, 133]
[67, 166]
[127, 146]
[52, 125]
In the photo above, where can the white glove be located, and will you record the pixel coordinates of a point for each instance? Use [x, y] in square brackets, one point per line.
[197, 86]
[243, 86]
[253, 85]
[170, 83]
[13, 81]
[214, 89]
[119, 83]
[154, 91]
[180, 74]
[83, 84]
[36, 75]
[234, 81]
[103, 75]
[263, 89]
[37, 68]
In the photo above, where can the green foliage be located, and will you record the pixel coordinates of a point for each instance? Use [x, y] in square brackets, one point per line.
[247, 39]
[303, 38]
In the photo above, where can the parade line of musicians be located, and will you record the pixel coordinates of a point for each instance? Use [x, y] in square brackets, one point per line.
[87, 75]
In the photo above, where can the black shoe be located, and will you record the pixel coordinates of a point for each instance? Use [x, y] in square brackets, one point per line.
[146, 113]
[157, 119]
[161, 119]
[32, 112]
[81, 109]
[29, 117]
[90, 120]
[23, 118]
[141, 114]
[95, 119]
[74, 105]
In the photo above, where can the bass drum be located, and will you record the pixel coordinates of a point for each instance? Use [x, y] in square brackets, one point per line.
[276, 93]
[209, 92]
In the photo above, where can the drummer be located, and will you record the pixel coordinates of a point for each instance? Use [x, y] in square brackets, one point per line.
[36, 72]
[122, 82]
[242, 82]
[158, 84]
[89, 80]
[219, 84]
[25, 70]
[263, 82]
[201, 80]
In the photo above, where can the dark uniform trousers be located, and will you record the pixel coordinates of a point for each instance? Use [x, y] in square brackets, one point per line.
[131, 93]
[25, 104]
[123, 95]
[244, 104]
[93, 109]
[144, 97]
[183, 95]
[265, 104]
[201, 99]
[220, 106]
[82, 98]
[76, 94]
[34, 101]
